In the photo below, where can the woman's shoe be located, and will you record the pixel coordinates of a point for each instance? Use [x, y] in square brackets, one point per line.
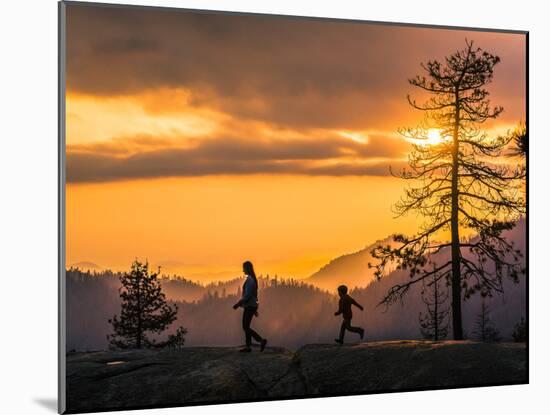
[262, 345]
[245, 350]
[339, 341]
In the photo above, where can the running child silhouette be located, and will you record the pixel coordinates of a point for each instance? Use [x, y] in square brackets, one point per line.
[344, 308]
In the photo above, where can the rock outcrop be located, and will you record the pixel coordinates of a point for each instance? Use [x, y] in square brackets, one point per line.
[145, 378]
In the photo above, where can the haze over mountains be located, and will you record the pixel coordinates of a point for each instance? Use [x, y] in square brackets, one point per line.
[292, 313]
[349, 269]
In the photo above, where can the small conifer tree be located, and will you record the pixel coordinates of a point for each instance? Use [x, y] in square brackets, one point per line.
[144, 310]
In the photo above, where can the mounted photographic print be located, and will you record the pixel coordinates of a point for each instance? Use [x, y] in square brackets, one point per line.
[258, 207]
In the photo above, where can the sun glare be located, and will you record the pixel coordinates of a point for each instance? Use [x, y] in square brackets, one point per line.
[434, 137]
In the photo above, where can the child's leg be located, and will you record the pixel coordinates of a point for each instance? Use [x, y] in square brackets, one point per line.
[353, 329]
[342, 331]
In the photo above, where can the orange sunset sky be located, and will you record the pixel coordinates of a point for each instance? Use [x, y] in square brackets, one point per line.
[198, 141]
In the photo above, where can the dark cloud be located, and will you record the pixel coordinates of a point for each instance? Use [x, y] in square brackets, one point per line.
[325, 156]
[125, 46]
[304, 73]
[93, 168]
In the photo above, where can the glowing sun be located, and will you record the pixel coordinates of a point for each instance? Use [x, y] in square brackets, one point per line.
[434, 137]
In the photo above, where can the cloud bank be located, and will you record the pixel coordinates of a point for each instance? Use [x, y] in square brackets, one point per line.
[311, 79]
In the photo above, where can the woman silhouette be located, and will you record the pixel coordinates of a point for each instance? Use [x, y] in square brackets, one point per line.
[249, 303]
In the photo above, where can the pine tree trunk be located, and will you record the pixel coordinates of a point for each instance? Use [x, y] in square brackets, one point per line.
[455, 236]
[483, 321]
[139, 329]
[436, 311]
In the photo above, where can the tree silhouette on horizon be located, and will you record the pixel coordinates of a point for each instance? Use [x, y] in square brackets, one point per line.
[457, 186]
[485, 329]
[144, 309]
[434, 323]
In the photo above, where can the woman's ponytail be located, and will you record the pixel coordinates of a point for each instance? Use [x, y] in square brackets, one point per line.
[249, 270]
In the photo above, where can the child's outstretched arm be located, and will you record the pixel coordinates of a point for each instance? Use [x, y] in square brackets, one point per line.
[357, 304]
[339, 308]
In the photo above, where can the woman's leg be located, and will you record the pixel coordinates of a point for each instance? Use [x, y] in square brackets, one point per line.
[253, 333]
[247, 319]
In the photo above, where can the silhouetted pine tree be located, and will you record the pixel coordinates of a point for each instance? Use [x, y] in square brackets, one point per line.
[520, 140]
[457, 185]
[485, 329]
[520, 331]
[434, 324]
[144, 309]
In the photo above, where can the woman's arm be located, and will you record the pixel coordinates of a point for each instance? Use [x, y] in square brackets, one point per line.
[247, 290]
[247, 293]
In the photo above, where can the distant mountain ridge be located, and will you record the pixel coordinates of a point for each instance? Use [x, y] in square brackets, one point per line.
[349, 269]
[87, 266]
[292, 313]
